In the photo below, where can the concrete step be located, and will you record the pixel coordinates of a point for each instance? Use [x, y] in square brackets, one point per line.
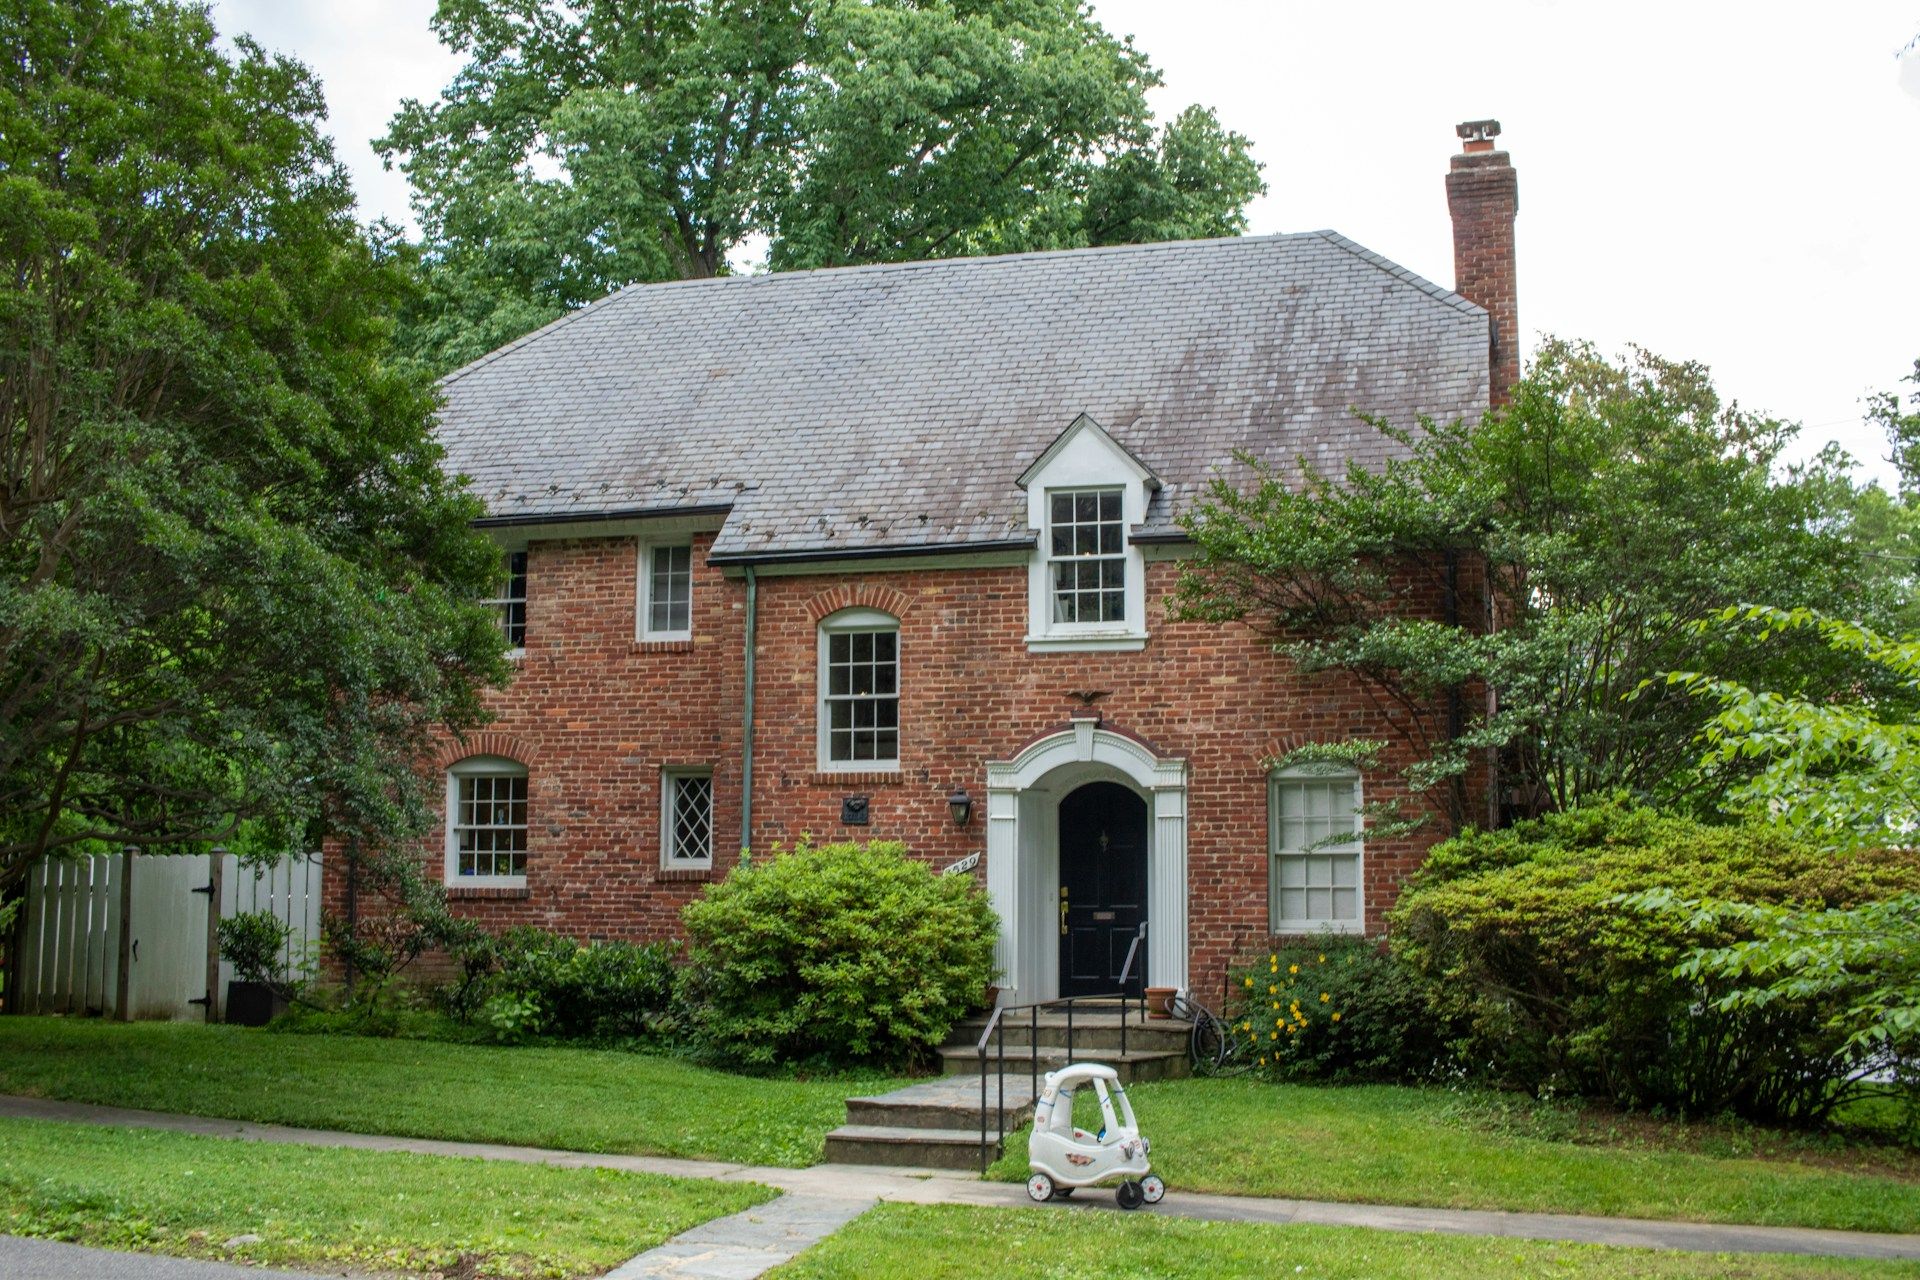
[948, 1102]
[1094, 1035]
[1133, 1066]
[912, 1147]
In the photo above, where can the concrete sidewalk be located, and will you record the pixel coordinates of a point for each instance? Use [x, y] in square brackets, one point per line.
[22, 1259]
[855, 1183]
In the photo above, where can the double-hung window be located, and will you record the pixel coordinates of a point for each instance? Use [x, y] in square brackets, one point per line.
[666, 591]
[486, 823]
[509, 600]
[1314, 833]
[686, 819]
[1087, 556]
[859, 691]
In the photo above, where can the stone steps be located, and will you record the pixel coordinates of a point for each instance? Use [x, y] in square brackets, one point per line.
[935, 1124]
[1133, 1066]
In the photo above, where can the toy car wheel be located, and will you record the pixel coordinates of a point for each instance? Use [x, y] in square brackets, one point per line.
[1063, 1193]
[1152, 1188]
[1129, 1195]
[1040, 1188]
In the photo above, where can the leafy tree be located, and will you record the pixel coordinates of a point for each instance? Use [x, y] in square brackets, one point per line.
[589, 145]
[1843, 771]
[1610, 507]
[234, 581]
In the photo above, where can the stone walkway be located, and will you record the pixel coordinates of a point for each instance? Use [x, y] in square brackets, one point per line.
[861, 1185]
[744, 1245]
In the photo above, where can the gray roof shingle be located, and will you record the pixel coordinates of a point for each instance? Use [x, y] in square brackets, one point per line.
[895, 406]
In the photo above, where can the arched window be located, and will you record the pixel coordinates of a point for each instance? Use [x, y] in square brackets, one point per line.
[1313, 834]
[859, 700]
[487, 823]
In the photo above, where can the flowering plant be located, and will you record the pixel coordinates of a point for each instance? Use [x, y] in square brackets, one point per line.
[1331, 1009]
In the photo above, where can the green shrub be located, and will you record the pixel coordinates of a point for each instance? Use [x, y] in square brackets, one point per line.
[1340, 1010]
[255, 943]
[1552, 980]
[528, 982]
[840, 954]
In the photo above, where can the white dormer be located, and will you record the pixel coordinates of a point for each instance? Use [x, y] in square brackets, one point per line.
[1087, 583]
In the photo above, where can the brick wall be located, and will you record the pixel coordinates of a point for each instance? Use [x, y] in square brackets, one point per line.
[596, 716]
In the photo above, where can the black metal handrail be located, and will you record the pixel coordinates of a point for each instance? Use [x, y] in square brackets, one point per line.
[996, 1031]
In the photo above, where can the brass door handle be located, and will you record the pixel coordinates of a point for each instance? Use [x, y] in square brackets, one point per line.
[1063, 917]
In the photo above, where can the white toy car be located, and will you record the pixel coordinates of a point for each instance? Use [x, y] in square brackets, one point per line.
[1063, 1157]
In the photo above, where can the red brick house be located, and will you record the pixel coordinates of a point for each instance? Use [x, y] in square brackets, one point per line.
[882, 552]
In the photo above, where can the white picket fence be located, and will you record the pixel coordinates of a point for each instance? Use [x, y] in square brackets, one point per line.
[84, 915]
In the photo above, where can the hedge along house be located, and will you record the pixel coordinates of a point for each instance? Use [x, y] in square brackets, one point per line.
[883, 553]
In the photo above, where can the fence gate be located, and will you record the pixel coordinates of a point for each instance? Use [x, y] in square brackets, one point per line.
[127, 935]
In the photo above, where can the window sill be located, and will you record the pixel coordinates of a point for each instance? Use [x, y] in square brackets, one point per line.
[682, 645]
[517, 655]
[854, 777]
[673, 875]
[1316, 928]
[1090, 642]
[484, 892]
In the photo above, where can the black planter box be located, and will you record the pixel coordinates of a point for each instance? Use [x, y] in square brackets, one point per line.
[253, 1004]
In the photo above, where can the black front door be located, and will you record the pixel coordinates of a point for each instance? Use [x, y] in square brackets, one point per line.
[1103, 888]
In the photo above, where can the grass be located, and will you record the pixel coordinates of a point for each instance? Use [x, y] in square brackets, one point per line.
[1388, 1145]
[576, 1099]
[182, 1194]
[929, 1242]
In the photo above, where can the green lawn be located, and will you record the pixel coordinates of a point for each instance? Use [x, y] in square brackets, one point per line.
[1433, 1147]
[577, 1099]
[929, 1242]
[183, 1194]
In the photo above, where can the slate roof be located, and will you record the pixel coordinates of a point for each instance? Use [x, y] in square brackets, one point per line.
[894, 407]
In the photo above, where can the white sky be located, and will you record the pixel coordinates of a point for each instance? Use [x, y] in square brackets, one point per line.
[1732, 183]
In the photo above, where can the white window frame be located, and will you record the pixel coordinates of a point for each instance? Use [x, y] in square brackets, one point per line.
[671, 780]
[643, 594]
[504, 600]
[1356, 848]
[843, 622]
[1098, 492]
[482, 766]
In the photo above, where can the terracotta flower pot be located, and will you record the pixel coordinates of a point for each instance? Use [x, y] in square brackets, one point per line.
[1160, 1002]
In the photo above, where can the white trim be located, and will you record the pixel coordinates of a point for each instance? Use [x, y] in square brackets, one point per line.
[1086, 457]
[845, 620]
[670, 778]
[643, 589]
[1023, 796]
[479, 766]
[1085, 423]
[1356, 848]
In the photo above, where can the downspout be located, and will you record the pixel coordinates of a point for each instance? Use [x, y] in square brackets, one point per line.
[1456, 712]
[746, 727]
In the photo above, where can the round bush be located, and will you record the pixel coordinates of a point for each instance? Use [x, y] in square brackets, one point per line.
[843, 954]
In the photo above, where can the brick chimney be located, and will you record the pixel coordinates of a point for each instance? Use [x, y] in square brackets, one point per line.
[1483, 194]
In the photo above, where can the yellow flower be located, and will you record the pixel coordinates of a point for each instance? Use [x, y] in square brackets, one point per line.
[1324, 997]
[1249, 979]
[1273, 959]
[1271, 989]
[1293, 968]
[1248, 1026]
[1273, 1035]
[1263, 1062]
[1336, 1017]
[1276, 1004]
[1291, 1030]
[1323, 959]
[1279, 1022]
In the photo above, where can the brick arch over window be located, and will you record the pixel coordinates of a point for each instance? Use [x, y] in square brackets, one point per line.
[485, 743]
[858, 596]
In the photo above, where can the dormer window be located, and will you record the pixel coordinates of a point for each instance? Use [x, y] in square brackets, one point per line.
[1087, 553]
[1087, 588]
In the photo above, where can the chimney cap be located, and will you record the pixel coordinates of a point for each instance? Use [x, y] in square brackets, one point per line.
[1477, 135]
